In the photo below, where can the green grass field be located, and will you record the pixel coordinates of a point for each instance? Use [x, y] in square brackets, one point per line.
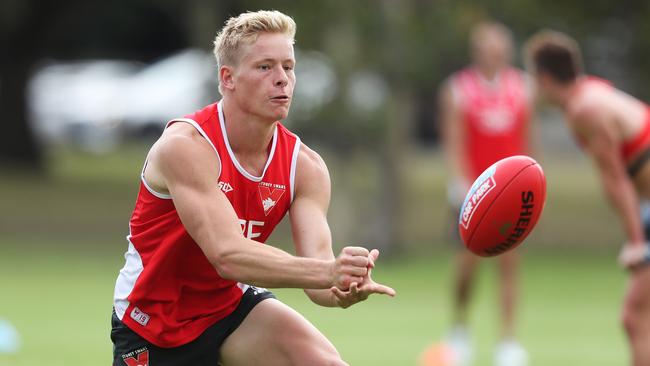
[62, 239]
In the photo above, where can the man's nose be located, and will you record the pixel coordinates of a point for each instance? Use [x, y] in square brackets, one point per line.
[281, 79]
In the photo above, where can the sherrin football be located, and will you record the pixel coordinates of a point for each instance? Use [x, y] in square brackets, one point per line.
[502, 206]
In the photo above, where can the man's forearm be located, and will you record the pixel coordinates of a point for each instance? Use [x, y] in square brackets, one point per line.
[624, 199]
[265, 266]
[322, 297]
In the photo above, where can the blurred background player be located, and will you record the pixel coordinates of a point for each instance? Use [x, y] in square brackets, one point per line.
[485, 117]
[613, 129]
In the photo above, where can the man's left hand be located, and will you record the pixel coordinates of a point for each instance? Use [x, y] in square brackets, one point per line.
[360, 291]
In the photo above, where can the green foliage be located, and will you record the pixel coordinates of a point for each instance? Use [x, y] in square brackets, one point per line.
[63, 239]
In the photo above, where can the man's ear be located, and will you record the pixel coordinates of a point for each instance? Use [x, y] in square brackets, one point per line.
[226, 77]
[546, 78]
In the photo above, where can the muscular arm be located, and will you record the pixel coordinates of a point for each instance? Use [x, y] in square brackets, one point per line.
[184, 164]
[308, 213]
[532, 133]
[312, 236]
[601, 143]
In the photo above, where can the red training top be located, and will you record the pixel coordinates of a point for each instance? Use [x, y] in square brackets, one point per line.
[168, 292]
[634, 146]
[494, 116]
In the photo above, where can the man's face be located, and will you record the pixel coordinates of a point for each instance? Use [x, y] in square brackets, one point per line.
[492, 50]
[263, 80]
[545, 86]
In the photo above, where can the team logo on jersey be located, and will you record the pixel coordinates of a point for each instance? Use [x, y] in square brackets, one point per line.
[497, 120]
[225, 187]
[139, 357]
[270, 194]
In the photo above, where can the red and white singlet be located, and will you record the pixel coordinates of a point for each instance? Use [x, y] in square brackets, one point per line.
[168, 292]
[495, 116]
[633, 147]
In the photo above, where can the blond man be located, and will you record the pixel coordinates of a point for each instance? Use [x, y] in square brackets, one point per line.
[216, 183]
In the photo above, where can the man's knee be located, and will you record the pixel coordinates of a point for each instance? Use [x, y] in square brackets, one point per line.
[317, 354]
[334, 361]
[629, 320]
[634, 316]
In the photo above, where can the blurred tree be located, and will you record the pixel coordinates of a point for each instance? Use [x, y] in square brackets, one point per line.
[31, 31]
[21, 24]
[406, 47]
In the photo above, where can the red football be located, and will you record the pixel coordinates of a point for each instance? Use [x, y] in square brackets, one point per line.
[502, 206]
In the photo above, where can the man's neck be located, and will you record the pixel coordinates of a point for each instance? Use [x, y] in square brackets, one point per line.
[489, 74]
[565, 93]
[247, 134]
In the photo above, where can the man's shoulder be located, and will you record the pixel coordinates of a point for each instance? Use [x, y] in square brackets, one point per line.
[583, 112]
[310, 168]
[586, 104]
[312, 176]
[310, 159]
[459, 74]
[203, 114]
[179, 131]
[180, 142]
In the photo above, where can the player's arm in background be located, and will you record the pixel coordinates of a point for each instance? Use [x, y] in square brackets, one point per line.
[600, 141]
[311, 232]
[452, 132]
[532, 129]
[184, 164]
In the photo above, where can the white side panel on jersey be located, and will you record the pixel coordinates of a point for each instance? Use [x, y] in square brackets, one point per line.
[126, 279]
[294, 162]
[242, 286]
[147, 186]
[240, 168]
[163, 196]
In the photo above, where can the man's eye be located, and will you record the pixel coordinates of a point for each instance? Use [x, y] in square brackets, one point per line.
[264, 67]
[288, 68]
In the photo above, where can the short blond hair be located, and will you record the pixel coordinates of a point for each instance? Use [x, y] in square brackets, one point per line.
[244, 30]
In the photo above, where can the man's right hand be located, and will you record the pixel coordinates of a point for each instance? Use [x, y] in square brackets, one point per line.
[633, 255]
[351, 266]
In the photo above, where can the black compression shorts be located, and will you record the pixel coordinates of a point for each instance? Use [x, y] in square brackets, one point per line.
[129, 349]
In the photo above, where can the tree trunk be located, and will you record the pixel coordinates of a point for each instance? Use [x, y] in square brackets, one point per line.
[19, 50]
[17, 143]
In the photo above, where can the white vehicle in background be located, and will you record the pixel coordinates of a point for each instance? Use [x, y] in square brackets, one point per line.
[79, 102]
[96, 104]
[167, 89]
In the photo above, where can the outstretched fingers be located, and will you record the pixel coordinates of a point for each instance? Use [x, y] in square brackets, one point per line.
[372, 287]
[377, 288]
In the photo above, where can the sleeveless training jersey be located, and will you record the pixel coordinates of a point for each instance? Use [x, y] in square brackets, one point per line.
[636, 145]
[494, 116]
[168, 292]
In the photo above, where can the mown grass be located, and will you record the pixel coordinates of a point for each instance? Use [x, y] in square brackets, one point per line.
[62, 239]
